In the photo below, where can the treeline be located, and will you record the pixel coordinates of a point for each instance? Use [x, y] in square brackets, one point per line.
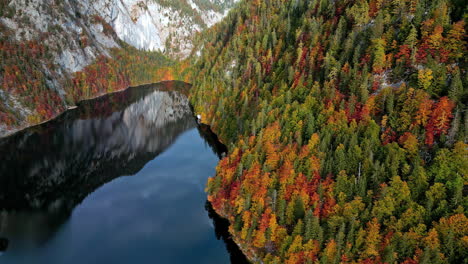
[347, 128]
[216, 5]
[127, 66]
[184, 8]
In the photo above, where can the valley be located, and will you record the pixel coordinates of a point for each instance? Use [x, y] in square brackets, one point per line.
[342, 124]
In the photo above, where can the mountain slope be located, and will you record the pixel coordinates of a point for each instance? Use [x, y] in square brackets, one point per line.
[347, 127]
[43, 44]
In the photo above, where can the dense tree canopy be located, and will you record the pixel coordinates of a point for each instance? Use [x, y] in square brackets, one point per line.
[346, 122]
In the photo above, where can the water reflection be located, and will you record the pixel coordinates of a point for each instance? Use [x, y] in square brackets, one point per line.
[102, 139]
[47, 170]
[3, 245]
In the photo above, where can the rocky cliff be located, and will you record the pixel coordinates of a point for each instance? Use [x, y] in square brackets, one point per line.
[44, 43]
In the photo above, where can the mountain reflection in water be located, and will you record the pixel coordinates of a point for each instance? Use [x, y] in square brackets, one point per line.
[48, 170]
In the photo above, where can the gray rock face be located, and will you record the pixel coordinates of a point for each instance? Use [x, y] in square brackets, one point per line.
[144, 24]
[76, 32]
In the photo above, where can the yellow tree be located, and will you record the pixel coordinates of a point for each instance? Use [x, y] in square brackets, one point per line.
[379, 55]
[372, 240]
[425, 78]
[409, 142]
[455, 40]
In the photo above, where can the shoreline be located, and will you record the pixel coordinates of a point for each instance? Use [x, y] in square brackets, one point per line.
[248, 253]
[251, 257]
[12, 132]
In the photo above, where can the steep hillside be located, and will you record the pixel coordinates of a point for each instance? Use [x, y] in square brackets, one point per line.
[347, 125]
[43, 44]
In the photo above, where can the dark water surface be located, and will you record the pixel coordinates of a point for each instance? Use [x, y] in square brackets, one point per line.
[64, 197]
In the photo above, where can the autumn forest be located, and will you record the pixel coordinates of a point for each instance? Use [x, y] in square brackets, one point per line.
[346, 123]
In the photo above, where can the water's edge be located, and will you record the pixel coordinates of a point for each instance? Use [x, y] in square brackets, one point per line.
[220, 223]
[249, 255]
[19, 129]
[228, 237]
[237, 252]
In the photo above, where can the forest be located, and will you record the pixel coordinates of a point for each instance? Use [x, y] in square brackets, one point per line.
[346, 123]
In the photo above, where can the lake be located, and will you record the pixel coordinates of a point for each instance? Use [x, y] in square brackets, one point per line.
[118, 179]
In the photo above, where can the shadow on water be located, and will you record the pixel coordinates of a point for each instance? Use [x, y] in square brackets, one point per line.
[212, 140]
[47, 170]
[3, 245]
[221, 225]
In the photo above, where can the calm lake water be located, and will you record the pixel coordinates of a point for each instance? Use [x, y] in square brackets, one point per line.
[120, 179]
